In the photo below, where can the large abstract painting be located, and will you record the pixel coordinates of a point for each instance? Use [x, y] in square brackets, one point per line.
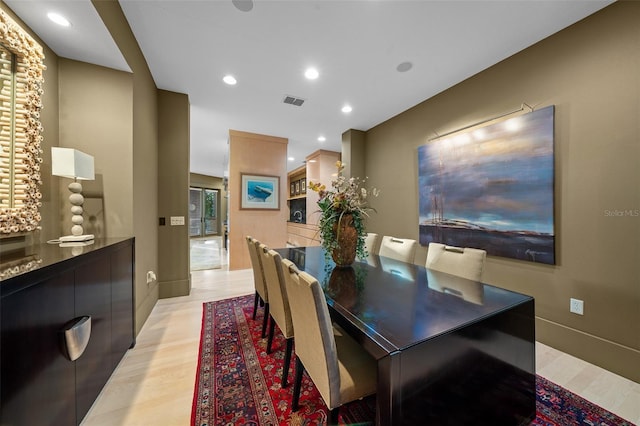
[492, 188]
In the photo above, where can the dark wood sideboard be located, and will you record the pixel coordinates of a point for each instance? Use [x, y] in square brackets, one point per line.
[42, 290]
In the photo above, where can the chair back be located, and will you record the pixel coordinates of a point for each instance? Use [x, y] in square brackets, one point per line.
[371, 243]
[464, 262]
[398, 248]
[314, 339]
[258, 274]
[278, 300]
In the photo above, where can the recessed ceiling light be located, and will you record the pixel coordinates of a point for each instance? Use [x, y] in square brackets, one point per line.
[321, 139]
[229, 79]
[59, 19]
[404, 67]
[311, 73]
[347, 109]
[243, 5]
[291, 159]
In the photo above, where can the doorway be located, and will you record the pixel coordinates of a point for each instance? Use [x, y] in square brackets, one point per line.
[203, 212]
[205, 250]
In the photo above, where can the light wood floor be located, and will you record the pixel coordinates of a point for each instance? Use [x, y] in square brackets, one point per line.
[153, 385]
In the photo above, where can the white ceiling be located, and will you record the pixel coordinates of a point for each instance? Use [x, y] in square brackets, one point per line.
[356, 46]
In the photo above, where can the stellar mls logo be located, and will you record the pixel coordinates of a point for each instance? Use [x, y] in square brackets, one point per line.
[622, 213]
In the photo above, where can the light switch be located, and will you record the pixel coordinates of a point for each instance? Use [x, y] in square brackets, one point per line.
[177, 220]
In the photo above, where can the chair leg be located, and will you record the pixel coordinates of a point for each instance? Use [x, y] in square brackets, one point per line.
[287, 361]
[297, 384]
[272, 327]
[255, 305]
[333, 416]
[265, 320]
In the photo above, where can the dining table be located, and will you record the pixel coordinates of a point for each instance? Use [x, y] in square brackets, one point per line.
[449, 351]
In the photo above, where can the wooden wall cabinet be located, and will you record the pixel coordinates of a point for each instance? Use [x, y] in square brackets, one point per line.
[39, 384]
[320, 167]
[297, 180]
[302, 234]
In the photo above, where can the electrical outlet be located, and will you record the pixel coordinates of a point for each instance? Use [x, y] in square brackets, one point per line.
[576, 306]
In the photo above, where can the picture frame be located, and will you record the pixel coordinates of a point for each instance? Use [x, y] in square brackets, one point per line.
[303, 186]
[513, 162]
[297, 187]
[259, 192]
[292, 189]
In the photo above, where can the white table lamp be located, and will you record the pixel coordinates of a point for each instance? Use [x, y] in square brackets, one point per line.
[76, 165]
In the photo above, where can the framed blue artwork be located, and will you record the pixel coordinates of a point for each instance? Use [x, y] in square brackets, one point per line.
[492, 187]
[260, 192]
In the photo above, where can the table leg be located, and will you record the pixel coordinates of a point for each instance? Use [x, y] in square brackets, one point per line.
[389, 392]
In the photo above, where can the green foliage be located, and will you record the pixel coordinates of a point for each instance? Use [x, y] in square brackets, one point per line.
[347, 196]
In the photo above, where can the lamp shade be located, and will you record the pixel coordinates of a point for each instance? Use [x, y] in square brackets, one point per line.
[71, 163]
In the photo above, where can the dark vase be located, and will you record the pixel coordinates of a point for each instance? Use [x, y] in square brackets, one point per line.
[347, 238]
[343, 288]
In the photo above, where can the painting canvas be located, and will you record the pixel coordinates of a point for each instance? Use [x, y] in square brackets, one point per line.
[492, 188]
[260, 192]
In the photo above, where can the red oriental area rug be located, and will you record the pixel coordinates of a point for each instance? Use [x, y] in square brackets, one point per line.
[238, 383]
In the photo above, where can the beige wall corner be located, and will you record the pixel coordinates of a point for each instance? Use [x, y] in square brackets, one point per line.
[354, 153]
[255, 154]
[173, 199]
[589, 71]
[168, 289]
[143, 154]
[95, 117]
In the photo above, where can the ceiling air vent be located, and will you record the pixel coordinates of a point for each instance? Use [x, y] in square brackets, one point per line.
[292, 100]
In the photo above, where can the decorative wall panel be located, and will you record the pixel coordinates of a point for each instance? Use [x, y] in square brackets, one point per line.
[21, 68]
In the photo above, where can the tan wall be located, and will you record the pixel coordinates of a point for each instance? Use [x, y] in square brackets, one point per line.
[259, 155]
[97, 119]
[173, 179]
[353, 153]
[49, 115]
[143, 156]
[129, 185]
[590, 72]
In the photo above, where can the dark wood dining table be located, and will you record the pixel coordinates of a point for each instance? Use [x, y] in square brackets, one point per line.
[450, 351]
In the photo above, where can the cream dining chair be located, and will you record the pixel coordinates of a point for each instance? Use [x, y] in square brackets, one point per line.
[464, 262]
[262, 295]
[400, 249]
[371, 243]
[339, 367]
[278, 304]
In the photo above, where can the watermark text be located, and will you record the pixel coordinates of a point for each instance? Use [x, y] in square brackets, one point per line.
[622, 213]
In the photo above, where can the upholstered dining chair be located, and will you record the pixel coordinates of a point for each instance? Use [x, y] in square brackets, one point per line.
[278, 304]
[340, 367]
[371, 243]
[464, 262]
[400, 249]
[262, 295]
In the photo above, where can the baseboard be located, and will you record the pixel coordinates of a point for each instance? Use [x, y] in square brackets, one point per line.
[177, 288]
[144, 308]
[618, 359]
